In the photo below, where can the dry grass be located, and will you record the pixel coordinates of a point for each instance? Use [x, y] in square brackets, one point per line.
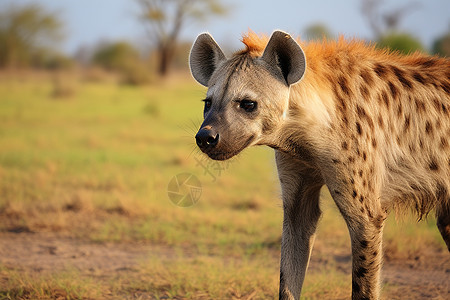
[96, 168]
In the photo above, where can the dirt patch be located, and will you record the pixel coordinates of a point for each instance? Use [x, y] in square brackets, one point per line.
[50, 252]
[426, 276]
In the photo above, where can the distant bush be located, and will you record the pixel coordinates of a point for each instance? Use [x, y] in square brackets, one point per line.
[442, 46]
[402, 42]
[318, 32]
[115, 56]
[123, 58]
[28, 35]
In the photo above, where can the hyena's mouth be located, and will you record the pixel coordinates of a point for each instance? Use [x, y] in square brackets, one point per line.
[219, 154]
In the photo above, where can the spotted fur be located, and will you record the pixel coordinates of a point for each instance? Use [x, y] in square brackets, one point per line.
[371, 125]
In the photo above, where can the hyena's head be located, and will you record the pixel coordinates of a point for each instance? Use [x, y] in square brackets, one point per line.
[248, 95]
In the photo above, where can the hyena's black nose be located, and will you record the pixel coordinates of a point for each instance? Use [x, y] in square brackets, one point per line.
[206, 138]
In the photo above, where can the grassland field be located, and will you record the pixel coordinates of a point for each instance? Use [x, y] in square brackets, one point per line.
[85, 166]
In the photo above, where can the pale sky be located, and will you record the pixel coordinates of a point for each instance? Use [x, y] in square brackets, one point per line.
[88, 21]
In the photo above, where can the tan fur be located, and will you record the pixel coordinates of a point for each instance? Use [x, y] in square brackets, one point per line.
[371, 125]
[404, 155]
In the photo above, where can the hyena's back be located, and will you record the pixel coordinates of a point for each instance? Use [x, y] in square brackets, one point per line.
[391, 120]
[391, 125]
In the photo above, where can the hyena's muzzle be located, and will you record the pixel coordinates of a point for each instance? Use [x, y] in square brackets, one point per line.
[220, 141]
[207, 138]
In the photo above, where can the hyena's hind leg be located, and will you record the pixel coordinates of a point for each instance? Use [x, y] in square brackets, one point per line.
[443, 215]
[365, 218]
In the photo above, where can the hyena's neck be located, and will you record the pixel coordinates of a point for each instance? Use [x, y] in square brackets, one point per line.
[310, 115]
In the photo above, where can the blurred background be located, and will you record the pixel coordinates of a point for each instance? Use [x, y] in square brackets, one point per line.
[98, 113]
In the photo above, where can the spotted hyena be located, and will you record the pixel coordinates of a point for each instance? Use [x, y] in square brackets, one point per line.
[371, 125]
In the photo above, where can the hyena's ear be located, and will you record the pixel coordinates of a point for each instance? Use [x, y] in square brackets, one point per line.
[283, 54]
[204, 58]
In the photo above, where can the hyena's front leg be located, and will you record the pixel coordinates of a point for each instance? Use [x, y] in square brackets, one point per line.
[365, 220]
[300, 192]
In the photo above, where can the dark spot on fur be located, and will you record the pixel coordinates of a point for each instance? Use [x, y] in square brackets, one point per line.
[365, 92]
[337, 192]
[352, 181]
[344, 145]
[335, 161]
[358, 128]
[428, 127]
[407, 122]
[361, 199]
[394, 90]
[444, 109]
[437, 104]
[420, 105]
[375, 253]
[342, 104]
[360, 173]
[399, 109]
[430, 62]
[370, 123]
[361, 112]
[361, 272]
[425, 62]
[351, 159]
[345, 121]
[380, 70]
[419, 78]
[342, 81]
[433, 165]
[366, 76]
[364, 156]
[385, 98]
[364, 244]
[354, 194]
[374, 143]
[401, 77]
[446, 87]
[444, 142]
[380, 121]
[355, 287]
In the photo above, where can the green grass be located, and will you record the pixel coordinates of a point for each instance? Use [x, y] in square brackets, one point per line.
[96, 166]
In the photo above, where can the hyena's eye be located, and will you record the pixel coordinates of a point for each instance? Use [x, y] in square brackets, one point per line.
[248, 105]
[207, 104]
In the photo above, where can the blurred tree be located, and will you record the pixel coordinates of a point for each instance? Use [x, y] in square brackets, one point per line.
[442, 46]
[115, 56]
[166, 18]
[382, 23]
[318, 32]
[402, 42]
[27, 35]
[123, 58]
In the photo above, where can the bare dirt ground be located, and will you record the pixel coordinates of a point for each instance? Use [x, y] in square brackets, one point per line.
[426, 276]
